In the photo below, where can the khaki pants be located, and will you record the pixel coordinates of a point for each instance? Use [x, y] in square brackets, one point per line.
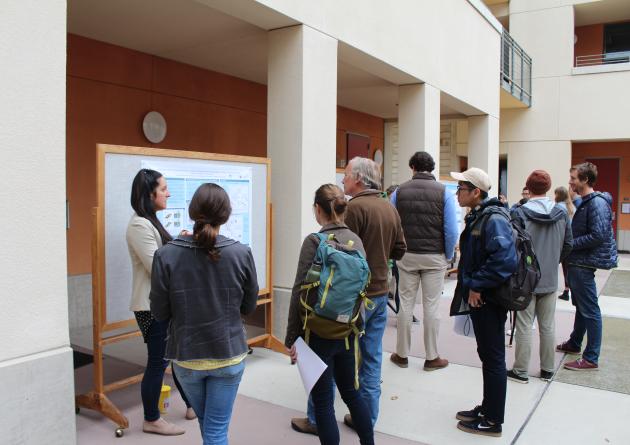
[424, 272]
[543, 307]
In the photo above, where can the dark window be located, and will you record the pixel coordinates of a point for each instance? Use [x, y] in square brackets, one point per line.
[617, 38]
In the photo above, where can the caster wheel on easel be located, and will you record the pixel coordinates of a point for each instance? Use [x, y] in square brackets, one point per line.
[120, 432]
[77, 410]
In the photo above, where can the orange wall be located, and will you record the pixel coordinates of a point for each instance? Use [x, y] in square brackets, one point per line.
[590, 40]
[350, 121]
[111, 88]
[620, 150]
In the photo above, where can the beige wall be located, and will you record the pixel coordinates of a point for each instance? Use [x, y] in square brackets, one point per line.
[424, 42]
[566, 107]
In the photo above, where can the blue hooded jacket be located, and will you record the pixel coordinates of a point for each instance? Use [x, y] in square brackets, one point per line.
[488, 259]
[593, 241]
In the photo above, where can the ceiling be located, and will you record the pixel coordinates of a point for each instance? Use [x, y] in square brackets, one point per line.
[603, 11]
[189, 31]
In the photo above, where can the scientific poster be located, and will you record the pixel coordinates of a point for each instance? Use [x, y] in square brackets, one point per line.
[184, 179]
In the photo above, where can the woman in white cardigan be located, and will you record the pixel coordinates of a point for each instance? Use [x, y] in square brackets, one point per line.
[145, 234]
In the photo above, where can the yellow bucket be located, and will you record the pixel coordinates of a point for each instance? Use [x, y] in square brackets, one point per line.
[165, 399]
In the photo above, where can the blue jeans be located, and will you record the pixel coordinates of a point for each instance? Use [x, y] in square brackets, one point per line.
[212, 394]
[151, 385]
[340, 362]
[371, 345]
[588, 318]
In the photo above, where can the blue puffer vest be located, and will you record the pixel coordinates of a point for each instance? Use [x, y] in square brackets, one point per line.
[593, 241]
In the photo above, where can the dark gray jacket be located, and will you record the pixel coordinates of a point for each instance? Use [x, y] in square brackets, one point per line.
[203, 299]
[307, 254]
[550, 229]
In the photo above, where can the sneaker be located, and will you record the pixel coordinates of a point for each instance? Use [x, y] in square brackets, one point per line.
[190, 414]
[481, 426]
[567, 348]
[516, 378]
[302, 425]
[564, 296]
[470, 416]
[162, 427]
[547, 376]
[435, 364]
[402, 362]
[347, 419]
[581, 365]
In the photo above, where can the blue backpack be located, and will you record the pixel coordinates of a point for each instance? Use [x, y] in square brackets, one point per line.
[333, 290]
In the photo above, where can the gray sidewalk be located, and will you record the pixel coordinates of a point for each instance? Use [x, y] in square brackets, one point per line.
[417, 406]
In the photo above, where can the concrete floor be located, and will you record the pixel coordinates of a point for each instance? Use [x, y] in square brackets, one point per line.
[416, 406]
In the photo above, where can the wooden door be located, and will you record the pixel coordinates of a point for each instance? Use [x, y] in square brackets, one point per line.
[608, 181]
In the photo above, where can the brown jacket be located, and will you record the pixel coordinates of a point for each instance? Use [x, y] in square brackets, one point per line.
[307, 254]
[377, 223]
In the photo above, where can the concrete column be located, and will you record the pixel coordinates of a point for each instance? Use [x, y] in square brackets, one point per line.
[419, 125]
[37, 404]
[525, 157]
[483, 147]
[301, 142]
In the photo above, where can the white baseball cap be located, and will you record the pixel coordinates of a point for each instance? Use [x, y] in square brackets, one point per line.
[476, 177]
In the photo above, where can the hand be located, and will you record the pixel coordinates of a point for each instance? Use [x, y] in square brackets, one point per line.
[474, 299]
[293, 354]
[185, 233]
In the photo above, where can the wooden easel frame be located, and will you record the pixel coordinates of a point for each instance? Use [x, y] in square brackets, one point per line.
[97, 399]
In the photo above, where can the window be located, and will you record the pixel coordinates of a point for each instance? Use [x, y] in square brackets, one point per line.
[617, 43]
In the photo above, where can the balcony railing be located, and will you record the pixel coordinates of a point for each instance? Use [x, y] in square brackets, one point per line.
[603, 59]
[516, 69]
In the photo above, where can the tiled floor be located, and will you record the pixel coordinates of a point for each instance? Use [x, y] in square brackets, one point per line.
[416, 406]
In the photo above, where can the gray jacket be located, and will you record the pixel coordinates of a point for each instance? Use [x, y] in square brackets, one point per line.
[307, 254]
[203, 299]
[550, 229]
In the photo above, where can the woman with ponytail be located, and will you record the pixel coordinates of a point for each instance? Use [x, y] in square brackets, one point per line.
[202, 283]
[145, 234]
[329, 207]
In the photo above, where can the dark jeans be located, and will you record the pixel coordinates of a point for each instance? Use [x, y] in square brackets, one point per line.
[489, 325]
[565, 273]
[588, 317]
[340, 365]
[154, 373]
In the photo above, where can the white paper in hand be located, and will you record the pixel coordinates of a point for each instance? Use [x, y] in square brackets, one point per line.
[309, 364]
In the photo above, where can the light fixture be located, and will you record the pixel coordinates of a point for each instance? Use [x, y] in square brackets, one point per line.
[154, 127]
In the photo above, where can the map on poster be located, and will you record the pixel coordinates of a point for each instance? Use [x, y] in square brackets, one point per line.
[184, 179]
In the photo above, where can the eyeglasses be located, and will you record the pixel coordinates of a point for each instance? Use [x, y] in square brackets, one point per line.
[461, 187]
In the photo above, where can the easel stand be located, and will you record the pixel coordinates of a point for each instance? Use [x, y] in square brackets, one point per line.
[97, 399]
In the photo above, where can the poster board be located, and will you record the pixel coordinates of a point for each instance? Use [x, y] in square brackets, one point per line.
[246, 179]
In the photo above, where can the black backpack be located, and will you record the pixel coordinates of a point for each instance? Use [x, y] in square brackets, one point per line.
[517, 292]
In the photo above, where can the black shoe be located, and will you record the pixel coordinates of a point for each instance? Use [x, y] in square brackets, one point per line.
[482, 426]
[516, 378]
[564, 296]
[546, 375]
[470, 416]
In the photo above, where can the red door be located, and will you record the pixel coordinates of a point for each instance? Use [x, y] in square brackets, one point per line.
[358, 145]
[608, 181]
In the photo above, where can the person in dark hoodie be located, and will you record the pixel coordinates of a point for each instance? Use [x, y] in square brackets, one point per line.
[488, 259]
[549, 227]
[594, 248]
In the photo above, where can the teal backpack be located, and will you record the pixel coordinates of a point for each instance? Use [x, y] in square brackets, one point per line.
[333, 290]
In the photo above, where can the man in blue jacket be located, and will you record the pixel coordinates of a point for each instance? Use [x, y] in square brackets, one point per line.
[594, 248]
[488, 259]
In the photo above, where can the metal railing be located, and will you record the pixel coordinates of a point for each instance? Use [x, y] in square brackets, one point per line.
[516, 69]
[603, 59]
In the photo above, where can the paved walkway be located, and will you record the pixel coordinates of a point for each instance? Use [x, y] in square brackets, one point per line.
[416, 406]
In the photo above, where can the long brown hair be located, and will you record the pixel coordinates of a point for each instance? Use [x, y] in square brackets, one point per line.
[332, 201]
[562, 195]
[210, 208]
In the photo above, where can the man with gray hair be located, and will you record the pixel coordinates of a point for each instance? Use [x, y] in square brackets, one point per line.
[376, 222]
